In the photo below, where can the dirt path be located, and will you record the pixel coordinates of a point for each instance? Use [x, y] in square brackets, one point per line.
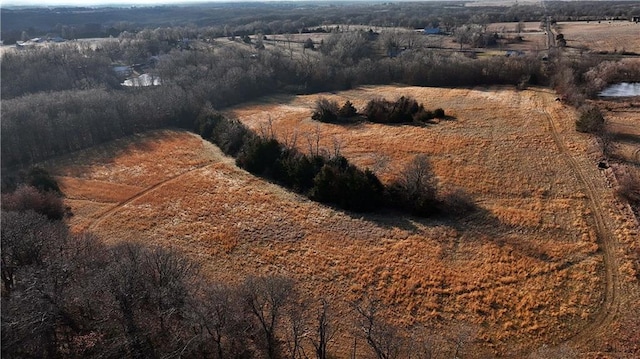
[140, 194]
[606, 240]
[216, 156]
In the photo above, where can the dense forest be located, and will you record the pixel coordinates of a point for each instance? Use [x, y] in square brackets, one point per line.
[277, 18]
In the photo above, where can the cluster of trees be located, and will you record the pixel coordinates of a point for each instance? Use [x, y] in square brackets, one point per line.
[327, 179]
[330, 178]
[403, 110]
[62, 67]
[578, 79]
[43, 125]
[590, 120]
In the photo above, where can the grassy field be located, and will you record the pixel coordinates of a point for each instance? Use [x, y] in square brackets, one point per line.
[623, 125]
[610, 36]
[523, 271]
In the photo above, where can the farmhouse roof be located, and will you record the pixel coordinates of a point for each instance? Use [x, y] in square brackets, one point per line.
[431, 30]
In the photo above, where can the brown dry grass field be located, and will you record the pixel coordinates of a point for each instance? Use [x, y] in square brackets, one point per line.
[610, 36]
[534, 38]
[525, 270]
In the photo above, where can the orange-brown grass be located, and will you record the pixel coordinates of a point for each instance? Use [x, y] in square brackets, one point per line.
[100, 178]
[525, 269]
[607, 36]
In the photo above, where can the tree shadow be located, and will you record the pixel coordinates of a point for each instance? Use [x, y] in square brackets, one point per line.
[390, 218]
[360, 120]
[80, 162]
[279, 98]
[631, 138]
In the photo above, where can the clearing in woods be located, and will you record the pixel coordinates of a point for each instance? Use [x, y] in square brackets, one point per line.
[538, 264]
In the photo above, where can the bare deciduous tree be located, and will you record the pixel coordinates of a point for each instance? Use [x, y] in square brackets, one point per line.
[417, 185]
[460, 336]
[265, 298]
[384, 339]
[221, 319]
[325, 330]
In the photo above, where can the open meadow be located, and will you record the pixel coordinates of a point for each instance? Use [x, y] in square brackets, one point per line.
[602, 36]
[548, 257]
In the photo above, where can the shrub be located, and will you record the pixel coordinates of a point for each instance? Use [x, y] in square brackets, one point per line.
[423, 116]
[346, 186]
[308, 44]
[325, 111]
[402, 110]
[590, 120]
[261, 157]
[628, 187]
[299, 170]
[438, 113]
[42, 180]
[377, 110]
[27, 198]
[230, 135]
[415, 189]
[347, 110]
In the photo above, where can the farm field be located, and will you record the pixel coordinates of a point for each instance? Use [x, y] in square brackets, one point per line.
[609, 36]
[545, 260]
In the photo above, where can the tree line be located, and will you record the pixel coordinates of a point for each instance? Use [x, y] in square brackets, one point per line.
[246, 19]
[58, 100]
[329, 177]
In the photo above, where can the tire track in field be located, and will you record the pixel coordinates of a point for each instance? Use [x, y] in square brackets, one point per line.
[605, 239]
[108, 213]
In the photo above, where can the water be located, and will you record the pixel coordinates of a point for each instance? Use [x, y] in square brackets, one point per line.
[623, 89]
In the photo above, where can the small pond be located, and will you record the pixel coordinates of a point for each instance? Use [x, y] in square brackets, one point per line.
[623, 89]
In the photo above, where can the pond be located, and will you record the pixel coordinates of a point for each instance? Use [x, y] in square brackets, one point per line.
[623, 89]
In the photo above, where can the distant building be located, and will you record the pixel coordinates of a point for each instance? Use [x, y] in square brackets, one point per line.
[635, 19]
[24, 44]
[431, 31]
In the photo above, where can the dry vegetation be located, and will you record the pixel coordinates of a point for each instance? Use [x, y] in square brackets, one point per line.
[524, 271]
[609, 36]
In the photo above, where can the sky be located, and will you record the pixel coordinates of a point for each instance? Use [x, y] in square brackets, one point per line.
[154, 2]
[93, 2]
[120, 2]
